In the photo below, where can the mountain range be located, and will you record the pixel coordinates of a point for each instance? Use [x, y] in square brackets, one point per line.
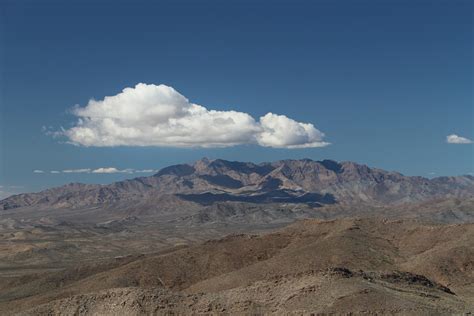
[205, 182]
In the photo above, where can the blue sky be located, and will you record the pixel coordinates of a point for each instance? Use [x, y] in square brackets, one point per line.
[385, 81]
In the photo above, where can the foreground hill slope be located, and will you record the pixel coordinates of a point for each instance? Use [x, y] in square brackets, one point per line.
[350, 265]
[287, 181]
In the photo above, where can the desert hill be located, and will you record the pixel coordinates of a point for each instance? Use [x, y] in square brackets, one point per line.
[312, 266]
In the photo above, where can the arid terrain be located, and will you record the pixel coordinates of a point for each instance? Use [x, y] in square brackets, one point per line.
[221, 237]
[347, 265]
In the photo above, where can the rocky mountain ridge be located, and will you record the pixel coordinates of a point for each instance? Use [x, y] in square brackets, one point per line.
[287, 181]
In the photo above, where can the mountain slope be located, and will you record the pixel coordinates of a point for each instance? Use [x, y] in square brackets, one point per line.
[341, 266]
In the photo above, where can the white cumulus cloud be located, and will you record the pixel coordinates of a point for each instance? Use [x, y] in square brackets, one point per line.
[283, 132]
[38, 171]
[151, 115]
[455, 139]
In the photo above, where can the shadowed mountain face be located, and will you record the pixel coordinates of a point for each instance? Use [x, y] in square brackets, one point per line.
[288, 181]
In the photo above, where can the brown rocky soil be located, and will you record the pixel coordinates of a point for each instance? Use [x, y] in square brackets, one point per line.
[360, 266]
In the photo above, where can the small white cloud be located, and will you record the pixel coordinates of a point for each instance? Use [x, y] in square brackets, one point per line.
[98, 170]
[107, 170]
[151, 115]
[86, 170]
[455, 139]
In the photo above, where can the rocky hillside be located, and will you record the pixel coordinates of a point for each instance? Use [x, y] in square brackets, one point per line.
[367, 266]
[287, 181]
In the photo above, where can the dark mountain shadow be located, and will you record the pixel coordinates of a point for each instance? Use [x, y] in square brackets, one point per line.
[242, 167]
[331, 165]
[223, 181]
[271, 184]
[276, 196]
[177, 170]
